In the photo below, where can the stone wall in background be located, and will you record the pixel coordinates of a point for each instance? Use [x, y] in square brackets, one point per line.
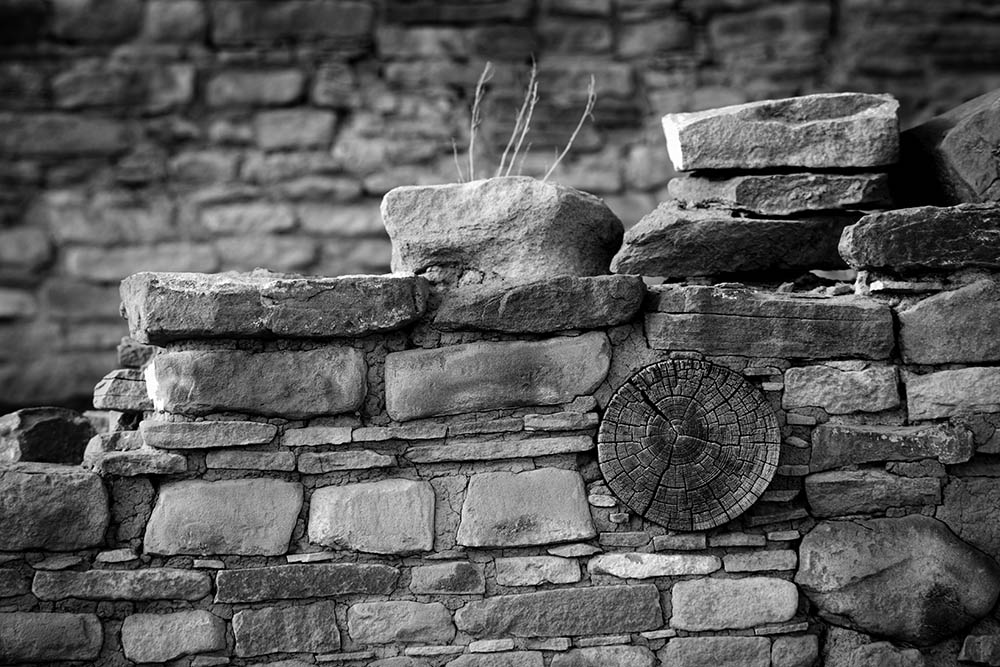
[208, 135]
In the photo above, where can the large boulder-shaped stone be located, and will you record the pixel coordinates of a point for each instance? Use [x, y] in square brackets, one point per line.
[28, 637]
[908, 579]
[845, 492]
[837, 445]
[51, 507]
[310, 628]
[828, 130]
[841, 390]
[163, 637]
[926, 237]
[400, 621]
[45, 435]
[953, 327]
[949, 393]
[518, 229]
[676, 242]
[505, 509]
[488, 376]
[295, 385]
[716, 652]
[724, 604]
[392, 516]
[251, 517]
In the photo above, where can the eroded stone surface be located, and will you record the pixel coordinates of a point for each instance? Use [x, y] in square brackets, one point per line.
[836, 445]
[149, 584]
[948, 393]
[606, 656]
[448, 578]
[723, 604]
[163, 637]
[953, 327]
[400, 621]
[205, 435]
[123, 453]
[310, 628]
[535, 570]
[49, 637]
[505, 659]
[844, 492]
[841, 391]
[717, 652]
[45, 435]
[485, 450]
[302, 581]
[124, 390]
[644, 566]
[800, 651]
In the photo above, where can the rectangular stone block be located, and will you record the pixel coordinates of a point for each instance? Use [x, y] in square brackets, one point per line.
[536, 570]
[163, 637]
[295, 385]
[237, 23]
[400, 621]
[953, 327]
[205, 435]
[730, 604]
[841, 391]
[948, 393]
[761, 561]
[763, 324]
[312, 436]
[56, 134]
[310, 628]
[359, 459]
[49, 637]
[448, 578]
[488, 376]
[123, 390]
[837, 445]
[458, 450]
[288, 582]
[151, 584]
[843, 492]
[645, 566]
[237, 460]
[717, 652]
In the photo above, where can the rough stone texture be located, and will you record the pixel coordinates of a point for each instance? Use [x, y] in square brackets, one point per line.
[123, 390]
[392, 516]
[837, 445]
[400, 621]
[504, 509]
[909, 579]
[926, 237]
[536, 570]
[242, 460]
[723, 604]
[517, 229]
[949, 393]
[123, 453]
[151, 584]
[302, 581]
[555, 304]
[644, 566]
[309, 628]
[800, 651]
[487, 450]
[45, 435]
[784, 194]
[361, 459]
[49, 637]
[766, 324]
[674, 242]
[243, 516]
[983, 649]
[841, 391]
[485, 376]
[505, 659]
[606, 656]
[717, 652]
[162, 307]
[448, 578]
[205, 435]
[969, 509]
[828, 130]
[163, 637]
[844, 492]
[51, 507]
[953, 327]
[324, 381]
[568, 611]
[761, 561]
[884, 654]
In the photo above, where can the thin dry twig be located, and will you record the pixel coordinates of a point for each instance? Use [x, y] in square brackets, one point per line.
[476, 118]
[587, 112]
[521, 122]
[458, 166]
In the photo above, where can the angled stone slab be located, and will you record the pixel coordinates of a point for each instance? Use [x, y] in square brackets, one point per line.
[766, 324]
[152, 584]
[731, 604]
[310, 628]
[926, 237]
[837, 445]
[487, 376]
[163, 637]
[846, 492]
[45, 637]
[645, 566]
[295, 385]
[486, 450]
[286, 582]
[948, 393]
[205, 435]
[959, 326]
[825, 131]
[162, 307]
[503, 659]
[675, 242]
[124, 390]
[555, 304]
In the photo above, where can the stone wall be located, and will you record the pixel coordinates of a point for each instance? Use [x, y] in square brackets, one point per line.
[207, 135]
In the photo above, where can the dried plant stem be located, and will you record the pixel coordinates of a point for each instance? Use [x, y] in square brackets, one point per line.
[458, 165]
[591, 99]
[521, 122]
[486, 75]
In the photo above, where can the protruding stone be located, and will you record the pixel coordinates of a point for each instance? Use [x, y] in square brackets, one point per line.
[163, 637]
[518, 229]
[841, 391]
[645, 566]
[844, 492]
[205, 435]
[949, 393]
[717, 652]
[123, 453]
[310, 628]
[503, 509]
[45, 435]
[746, 322]
[837, 445]
[823, 131]
[294, 385]
[953, 327]
[392, 516]
[536, 570]
[458, 577]
[606, 656]
[725, 604]
[123, 390]
[288, 582]
[400, 621]
[49, 637]
[249, 517]
[487, 376]
[909, 579]
[150, 584]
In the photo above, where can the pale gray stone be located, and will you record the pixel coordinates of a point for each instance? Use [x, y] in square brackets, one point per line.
[163, 637]
[123, 453]
[400, 621]
[411, 431]
[561, 421]
[310, 628]
[949, 393]
[884, 654]
[490, 375]
[448, 578]
[844, 492]
[717, 652]
[491, 645]
[312, 436]
[506, 659]
[800, 651]
[841, 391]
[731, 604]
[242, 460]
[761, 561]
[485, 450]
[953, 327]
[44, 435]
[645, 566]
[392, 516]
[606, 656]
[573, 550]
[836, 445]
[49, 637]
[536, 570]
[151, 584]
[541, 506]
[287, 582]
[123, 390]
[318, 463]
[680, 542]
[205, 435]
[244, 516]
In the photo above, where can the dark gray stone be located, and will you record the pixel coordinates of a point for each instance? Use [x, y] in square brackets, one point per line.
[981, 649]
[844, 492]
[45, 435]
[953, 327]
[953, 393]
[310, 628]
[206, 434]
[49, 637]
[151, 584]
[163, 637]
[286, 582]
[970, 509]
[448, 578]
[837, 445]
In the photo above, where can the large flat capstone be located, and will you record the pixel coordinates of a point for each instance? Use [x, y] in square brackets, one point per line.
[504, 509]
[392, 516]
[162, 307]
[953, 327]
[845, 492]
[836, 445]
[766, 324]
[827, 130]
[243, 516]
[487, 376]
[310, 628]
[724, 604]
[948, 393]
[324, 381]
[285, 582]
[49, 637]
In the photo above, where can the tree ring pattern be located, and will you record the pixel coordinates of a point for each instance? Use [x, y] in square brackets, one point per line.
[688, 444]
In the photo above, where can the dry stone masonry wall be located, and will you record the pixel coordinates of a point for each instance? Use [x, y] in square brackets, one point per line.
[504, 456]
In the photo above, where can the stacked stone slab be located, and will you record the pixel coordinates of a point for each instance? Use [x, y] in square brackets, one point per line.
[772, 186]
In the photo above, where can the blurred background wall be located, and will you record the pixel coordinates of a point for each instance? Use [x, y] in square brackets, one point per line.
[208, 135]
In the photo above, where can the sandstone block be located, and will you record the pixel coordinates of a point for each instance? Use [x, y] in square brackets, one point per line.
[485, 450]
[948, 393]
[717, 652]
[400, 621]
[236, 23]
[606, 656]
[766, 324]
[841, 391]
[837, 445]
[66, 134]
[561, 612]
[517, 228]
[969, 510]
[828, 130]
[239, 460]
[908, 579]
[122, 453]
[205, 435]
[844, 492]
[254, 88]
[310, 628]
[163, 637]
[448, 578]
[303, 581]
[800, 651]
[50, 507]
[152, 584]
[487, 375]
[645, 566]
[49, 637]
[723, 604]
[245, 516]
[392, 516]
[505, 659]
[45, 435]
[295, 385]
[953, 327]
[123, 390]
[761, 561]
[323, 462]
[541, 506]
[536, 570]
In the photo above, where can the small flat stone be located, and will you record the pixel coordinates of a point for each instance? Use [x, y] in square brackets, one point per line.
[303, 629]
[44, 435]
[124, 555]
[399, 621]
[737, 540]
[837, 445]
[645, 566]
[841, 391]
[458, 577]
[485, 450]
[124, 390]
[414, 431]
[208, 564]
[761, 561]
[602, 500]
[149, 584]
[50, 637]
[289, 582]
[163, 637]
[536, 570]
[123, 453]
[56, 563]
[509, 659]
[505, 425]
[242, 460]
[717, 652]
[606, 656]
[312, 436]
[491, 645]
[845, 492]
[795, 651]
[681, 542]
[948, 393]
[560, 421]
[433, 651]
[573, 550]
[358, 459]
[625, 539]
[730, 604]
[205, 435]
[952, 327]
